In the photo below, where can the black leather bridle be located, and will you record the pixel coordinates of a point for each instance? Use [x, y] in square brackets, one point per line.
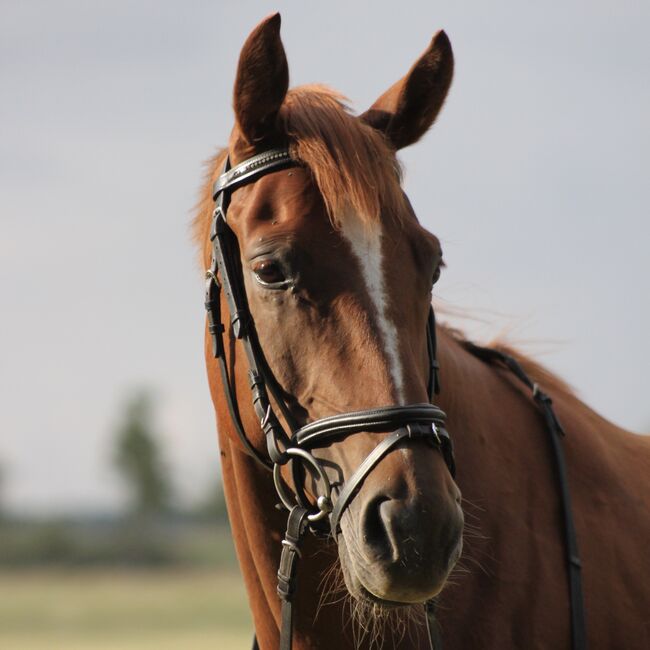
[402, 423]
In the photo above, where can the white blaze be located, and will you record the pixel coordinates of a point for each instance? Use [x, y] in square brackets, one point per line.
[366, 246]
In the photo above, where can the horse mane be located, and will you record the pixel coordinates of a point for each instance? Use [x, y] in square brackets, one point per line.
[351, 163]
[548, 380]
[205, 205]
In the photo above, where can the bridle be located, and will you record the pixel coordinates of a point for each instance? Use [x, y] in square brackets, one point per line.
[402, 424]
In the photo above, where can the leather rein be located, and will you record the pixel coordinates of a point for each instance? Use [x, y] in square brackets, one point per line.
[295, 446]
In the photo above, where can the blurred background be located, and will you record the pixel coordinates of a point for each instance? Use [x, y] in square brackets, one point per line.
[113, 532]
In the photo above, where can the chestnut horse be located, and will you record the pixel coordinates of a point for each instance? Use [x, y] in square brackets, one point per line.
[338, 276]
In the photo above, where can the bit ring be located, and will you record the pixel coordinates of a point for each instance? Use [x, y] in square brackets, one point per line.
[323, 501]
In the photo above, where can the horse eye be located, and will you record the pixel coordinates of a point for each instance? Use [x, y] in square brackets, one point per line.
[436, 275]
[268, 272]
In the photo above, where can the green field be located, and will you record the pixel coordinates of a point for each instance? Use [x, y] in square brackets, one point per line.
[107, 609]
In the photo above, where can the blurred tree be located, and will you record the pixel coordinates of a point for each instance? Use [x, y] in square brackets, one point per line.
[139, 459]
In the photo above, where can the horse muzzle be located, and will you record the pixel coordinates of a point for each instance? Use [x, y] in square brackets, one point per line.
[398, 545]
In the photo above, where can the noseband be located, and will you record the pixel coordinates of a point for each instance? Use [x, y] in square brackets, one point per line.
[402, 424]
[424, 422]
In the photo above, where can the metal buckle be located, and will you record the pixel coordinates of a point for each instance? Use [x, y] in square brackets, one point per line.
[323, 501]
[434, 430]
[210, 277]
[264, 421]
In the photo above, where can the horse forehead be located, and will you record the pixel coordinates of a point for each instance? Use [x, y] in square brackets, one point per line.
[290, 198]
[287, 190]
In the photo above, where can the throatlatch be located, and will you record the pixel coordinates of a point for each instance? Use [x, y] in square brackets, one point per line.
[402, 423]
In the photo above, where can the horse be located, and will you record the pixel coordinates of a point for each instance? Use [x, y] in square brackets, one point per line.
[330, 315]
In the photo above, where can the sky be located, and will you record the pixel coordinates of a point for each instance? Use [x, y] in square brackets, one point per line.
[535, 179]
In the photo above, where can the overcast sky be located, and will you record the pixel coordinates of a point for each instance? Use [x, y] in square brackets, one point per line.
[535, 178]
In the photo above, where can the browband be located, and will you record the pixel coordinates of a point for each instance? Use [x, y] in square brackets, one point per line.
[259, 165]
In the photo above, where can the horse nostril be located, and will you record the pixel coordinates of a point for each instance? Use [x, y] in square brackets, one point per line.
[401, 527]
[373, 527]
[389, 527]
[398, 530]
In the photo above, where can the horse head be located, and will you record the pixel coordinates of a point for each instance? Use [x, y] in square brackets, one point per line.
[338, 275]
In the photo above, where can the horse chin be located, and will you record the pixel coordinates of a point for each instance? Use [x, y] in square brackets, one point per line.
[370, 583]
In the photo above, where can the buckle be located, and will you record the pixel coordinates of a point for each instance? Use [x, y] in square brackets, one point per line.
[323, 501]
[436, 435]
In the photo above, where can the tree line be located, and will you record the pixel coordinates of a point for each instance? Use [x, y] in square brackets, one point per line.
[152, 529]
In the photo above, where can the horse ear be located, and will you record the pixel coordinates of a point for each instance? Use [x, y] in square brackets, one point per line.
[262, 81]
[410, 106]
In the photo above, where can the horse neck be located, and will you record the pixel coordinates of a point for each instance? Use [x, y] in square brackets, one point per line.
[510, 499]
[500, 440]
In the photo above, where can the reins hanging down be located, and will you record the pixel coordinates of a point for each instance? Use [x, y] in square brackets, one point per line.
[402, 423]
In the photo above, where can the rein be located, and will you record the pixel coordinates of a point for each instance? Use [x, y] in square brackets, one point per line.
[294, 448]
